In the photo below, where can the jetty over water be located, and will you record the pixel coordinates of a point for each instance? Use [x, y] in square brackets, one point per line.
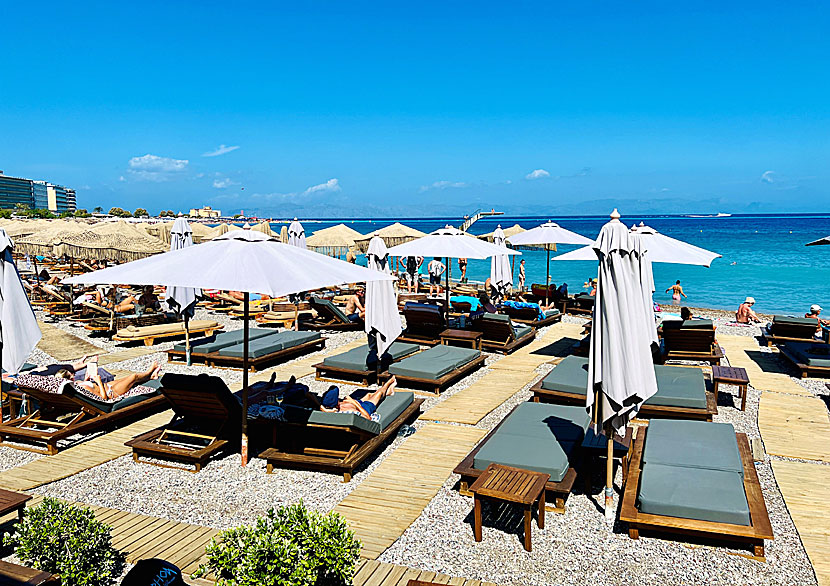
[477, 215]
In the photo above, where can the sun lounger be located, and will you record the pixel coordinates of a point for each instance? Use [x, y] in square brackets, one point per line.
[810, 358]
[681, 391]
[435, 369]
[424, 324]
[149, 334]
[206, 422]
[336, 442]
[581, 303]
[690, 340]
[533, 436]
[284, 318]
[329, 317]
[351, 365]
[267, 350]
[204, 348]
[65, 411]
[695, 478]
[530, 316]
[784, 329]
[501, 335]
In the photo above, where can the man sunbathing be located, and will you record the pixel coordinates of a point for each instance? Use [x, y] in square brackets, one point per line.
[745, 315]
[364, 407]
[115, 389]
[354, 306]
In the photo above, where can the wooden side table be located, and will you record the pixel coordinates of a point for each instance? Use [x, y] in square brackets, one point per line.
[13, 574]
[511, 485]
[464, 336]
[13, 501]
[731, 375]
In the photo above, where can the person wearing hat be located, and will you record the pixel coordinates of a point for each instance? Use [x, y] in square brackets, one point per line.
[815, 313]
[745, 315]
[365, 406]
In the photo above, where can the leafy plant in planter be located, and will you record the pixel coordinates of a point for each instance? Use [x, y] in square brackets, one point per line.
[67, 540]
[291, 546]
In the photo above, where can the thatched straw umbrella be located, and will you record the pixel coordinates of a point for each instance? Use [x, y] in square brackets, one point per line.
[508, 232]
[333, 241]
[43, 241]
[17, 228]
[118, 241]
[284, 234]
[222, 228]
[392, 235]
[265, 228]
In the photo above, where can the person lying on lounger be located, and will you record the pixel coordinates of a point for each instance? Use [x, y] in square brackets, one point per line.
[79, 369]
[116, 300]
[364, 407]
[355, 310]
[116, 388]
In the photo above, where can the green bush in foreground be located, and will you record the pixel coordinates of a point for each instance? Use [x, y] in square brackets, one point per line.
[67, 540]
[291, 546]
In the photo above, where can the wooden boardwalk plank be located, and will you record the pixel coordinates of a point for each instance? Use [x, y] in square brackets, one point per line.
[764, 369]
[794, 427]
[63, 346]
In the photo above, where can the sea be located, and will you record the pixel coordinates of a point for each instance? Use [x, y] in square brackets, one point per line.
[763, 256]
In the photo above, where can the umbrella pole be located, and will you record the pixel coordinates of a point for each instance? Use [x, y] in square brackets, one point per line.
[187, 337]
[447, 283]
[609, 476]
[245, 383]
[547, 273]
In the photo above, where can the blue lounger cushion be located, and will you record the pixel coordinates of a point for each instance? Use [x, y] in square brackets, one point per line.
[221, 340]
[693, 493]
[693, 444]
[355, 359]
[434, 363]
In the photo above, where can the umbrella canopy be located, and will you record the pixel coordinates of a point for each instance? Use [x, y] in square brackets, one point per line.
[296, 234]
[392, 235]
[547, 235]
[501, 277]
[19, 332]
[661, 248]
[17, 228]
[450, 242]
[43, 241]
[382, 315]
[117, 241]
[181, 299]
[222, 228]
[511, 231]
[284, 235]
[333, 240]
[265, 228]
[819, 242]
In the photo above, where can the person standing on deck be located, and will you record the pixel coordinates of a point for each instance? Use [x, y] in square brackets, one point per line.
[435, 268]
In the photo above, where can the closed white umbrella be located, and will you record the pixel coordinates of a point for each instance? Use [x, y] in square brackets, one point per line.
[242, 260]
[296, 234]
[382, 317]
[620, 368]
[182, 300]
[547, 235]
[501, 276]
[820, 242]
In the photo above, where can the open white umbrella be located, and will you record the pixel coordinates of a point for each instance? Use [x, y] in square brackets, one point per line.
[501, 277]
[19, 332]
[242, 260]
[296, 234]
[620, 368]
[382, 317]
[547, 235]
[182, 300]
[449, 243]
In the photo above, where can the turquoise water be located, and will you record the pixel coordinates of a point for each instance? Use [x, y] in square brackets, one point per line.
[763, 256]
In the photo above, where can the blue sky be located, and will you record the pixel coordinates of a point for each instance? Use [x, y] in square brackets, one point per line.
[426, 108]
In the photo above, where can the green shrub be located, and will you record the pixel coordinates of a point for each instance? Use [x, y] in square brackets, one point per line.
[67, 540]
[291, 546]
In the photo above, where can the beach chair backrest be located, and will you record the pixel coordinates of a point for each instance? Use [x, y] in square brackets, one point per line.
[688, 340]
[794, 327]
[424, 318]
[461, 306]
[325, 307]
[496, 327]
[524, 313]
[200, 397]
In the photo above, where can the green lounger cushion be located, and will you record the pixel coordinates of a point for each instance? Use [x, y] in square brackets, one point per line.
[521, 330]
[693, 444]
[810, 354]
[496, 317]
[541, 420]
[693, 493]
[391, 407]
[434, 363]
[352, 420]
[794, 321]
[221, 340]
[551, 312]
[320, 302]
[677, 386]
[290, 338]
[355, 359]
[527, 452]
[689, 324]
[270, 344]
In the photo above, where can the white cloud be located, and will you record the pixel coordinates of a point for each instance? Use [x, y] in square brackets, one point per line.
[122, 178]
[223, 182]
[444, 185]
[330, 185]
[220, 150]
[154, 168]
[537, 174]
[768, 177]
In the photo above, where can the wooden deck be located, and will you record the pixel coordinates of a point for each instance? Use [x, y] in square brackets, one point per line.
[71, 461]
[794, 427]
[765, 371]
[62, 345]
[392, 497]
[374, 573]
[550, 347]
[803, 487]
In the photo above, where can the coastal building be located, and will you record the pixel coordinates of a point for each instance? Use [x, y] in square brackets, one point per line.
[42, 195]
[205, 212]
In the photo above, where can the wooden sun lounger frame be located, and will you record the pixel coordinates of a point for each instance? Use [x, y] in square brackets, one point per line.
[752, 535]
[215, 360]
[804, 370]
[507, 346]
[85, 418]
[326, 372]
[341, 458]
[150, 339]
[555, 492]
[712, 357]
[572, 304]
[438, 384]
[541, 395]
[693, 337]
[538, 323]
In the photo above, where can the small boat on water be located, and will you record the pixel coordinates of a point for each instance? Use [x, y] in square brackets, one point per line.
[718, 215]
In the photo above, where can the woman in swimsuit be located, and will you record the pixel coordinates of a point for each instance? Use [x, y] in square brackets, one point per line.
[677, 292]
[114, 389]
[364, 407]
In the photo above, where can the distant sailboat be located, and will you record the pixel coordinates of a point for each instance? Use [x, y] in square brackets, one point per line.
[718, 215]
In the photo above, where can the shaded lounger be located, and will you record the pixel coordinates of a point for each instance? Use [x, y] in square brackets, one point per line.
[681, 391]
[329, 317]
[501, 335]
[435, 369]
[351, 365]
[530, 316]
[533, 436]
[336, 442]
[268, 350]
[149, 334]
[810, 358]
[203, 348]
[784, 329]
[424, 324]
[698, 478]
[206, 422]
[65, 411]
[690, 340]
